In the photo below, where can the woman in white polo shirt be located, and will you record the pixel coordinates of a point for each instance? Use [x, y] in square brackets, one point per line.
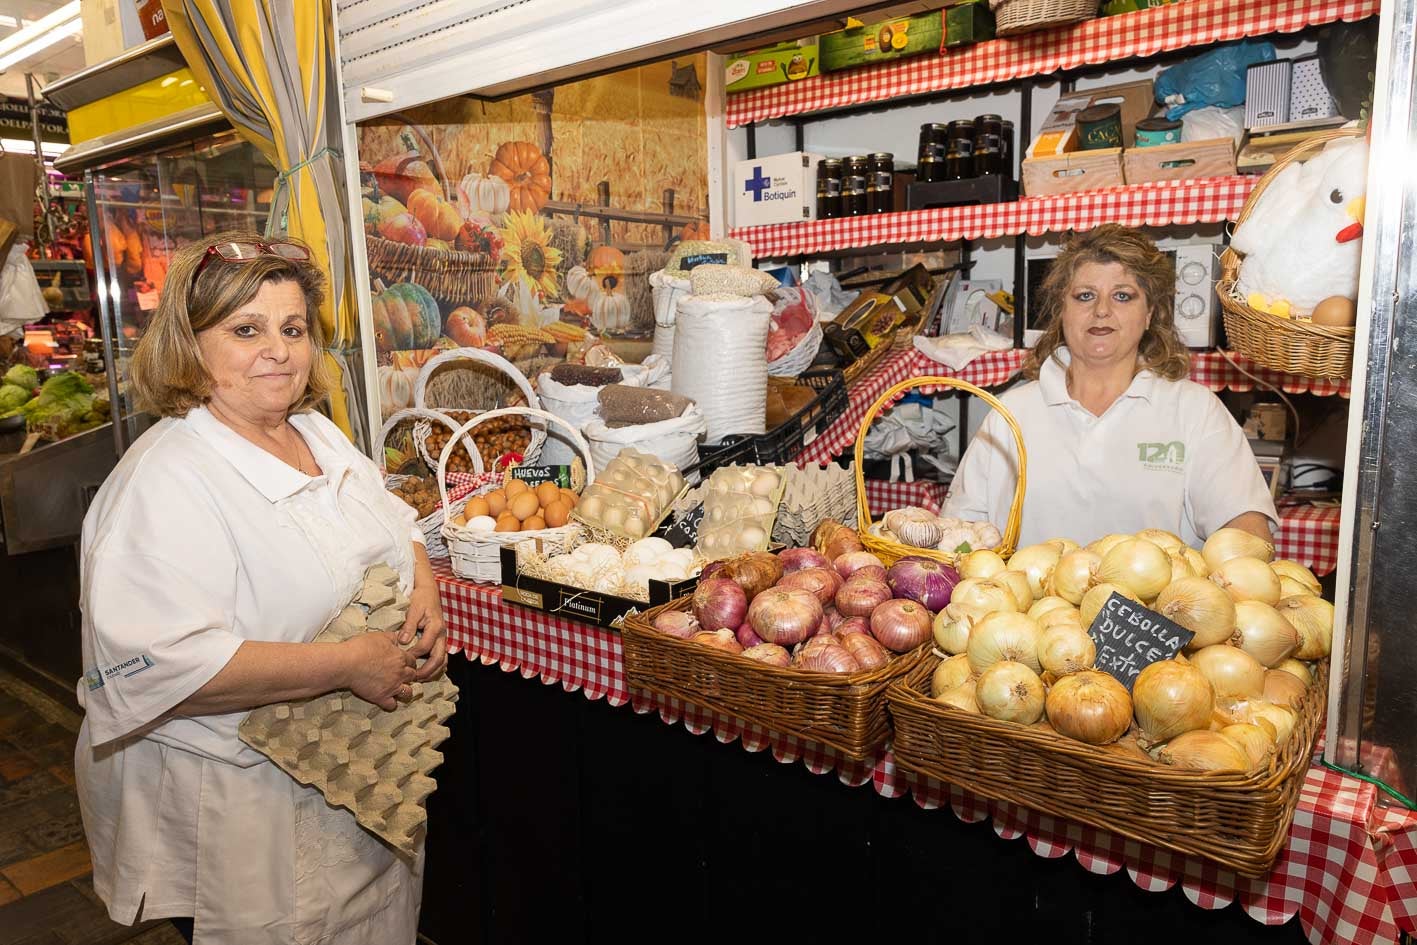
[1118, 439]
[230, 534]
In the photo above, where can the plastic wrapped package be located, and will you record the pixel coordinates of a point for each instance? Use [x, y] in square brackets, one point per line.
[1215, 77]
[719, 361]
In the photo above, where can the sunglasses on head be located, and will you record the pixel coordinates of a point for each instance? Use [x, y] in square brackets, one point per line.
[239, 251]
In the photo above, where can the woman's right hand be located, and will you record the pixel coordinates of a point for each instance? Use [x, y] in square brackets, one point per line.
[379, 670]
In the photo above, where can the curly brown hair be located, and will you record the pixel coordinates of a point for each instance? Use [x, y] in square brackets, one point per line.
[166, 375]
[1160, 349]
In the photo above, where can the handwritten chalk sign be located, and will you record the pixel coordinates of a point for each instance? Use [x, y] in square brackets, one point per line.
[685, 532]
[1129, 638]
[535, 475]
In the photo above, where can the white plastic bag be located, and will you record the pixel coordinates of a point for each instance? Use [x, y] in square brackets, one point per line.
[577, 404]
[720, 361]
[666, 290]
[674, 441]
[1211, 122]
[21, 302]
[653, 372]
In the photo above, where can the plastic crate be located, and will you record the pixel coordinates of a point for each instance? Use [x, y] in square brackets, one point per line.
[782, 444]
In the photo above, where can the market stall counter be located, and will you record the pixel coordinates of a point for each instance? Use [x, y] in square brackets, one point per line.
[1349, 870]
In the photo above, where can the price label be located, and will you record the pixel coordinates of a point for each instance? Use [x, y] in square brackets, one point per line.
[536, 475]
[685, 532]
[1130, 637]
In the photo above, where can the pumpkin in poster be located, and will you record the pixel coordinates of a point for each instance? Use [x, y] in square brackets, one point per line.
[439, 218]
[527, 173]
[482, 196]
[405, 316]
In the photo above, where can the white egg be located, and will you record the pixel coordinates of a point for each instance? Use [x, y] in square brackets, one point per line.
[752, 536]
[765, 483]
[614, 517]
[761, 506]
[482, 523]
[591, 508]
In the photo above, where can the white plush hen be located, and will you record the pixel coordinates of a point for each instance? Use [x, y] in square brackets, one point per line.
[1302, 239]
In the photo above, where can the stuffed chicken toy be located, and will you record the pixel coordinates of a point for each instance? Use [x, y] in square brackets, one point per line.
[1303, 237]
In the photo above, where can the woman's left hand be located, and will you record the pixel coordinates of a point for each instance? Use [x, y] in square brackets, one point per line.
[426, 615]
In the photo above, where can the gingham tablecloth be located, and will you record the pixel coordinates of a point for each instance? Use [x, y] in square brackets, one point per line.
[1160, 203]
[1145, 33]
[883, 495]
[1308, 534]
[1349, 872]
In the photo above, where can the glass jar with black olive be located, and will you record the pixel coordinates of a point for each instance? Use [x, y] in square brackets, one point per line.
[880, 187]
[829, 183]
[959, 155]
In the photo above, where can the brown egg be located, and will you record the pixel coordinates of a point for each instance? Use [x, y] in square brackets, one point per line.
[496, 503]
[1336, 312]
[546, 493]
[516, 487]
[570, 497]
[557, 513]
[476, 506]
[524, 506]
[507, 522]
[533, 524]
[459, 520]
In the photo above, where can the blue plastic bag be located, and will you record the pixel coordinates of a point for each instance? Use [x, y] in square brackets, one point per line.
[1216, 77]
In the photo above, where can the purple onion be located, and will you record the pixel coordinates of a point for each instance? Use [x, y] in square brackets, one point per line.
[720, 604]
[748, 637]
[923, 580]
[677, 623]
[797, 559]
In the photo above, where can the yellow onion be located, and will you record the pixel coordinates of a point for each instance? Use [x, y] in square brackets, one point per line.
[951, 630]
[1137, 565]
[1197, 562]
[1169, 698]
[1297, 573]
[961, 697]
[1036, 561]
[1312, 619]
[1180, 565]
[1064, 545]
[1297, 669]
[1093, 600]
[1090, 707]
[952, 672]
[1227, 543]
[1106, 543]
[1074, 574]
[1283, 688]
[1161, 538]
[1280, 716]
[1232, 672]
[1261, 632]
[1201, 607]
[1017, 583]
[1248, 579]
[1011, 692]
[1288, 587]
[1065, 648]
[1003, 636]
[976, 597]
[1061, 617]
[980, 564]
[1044, 604]
[1257, 743]
[1204, 751]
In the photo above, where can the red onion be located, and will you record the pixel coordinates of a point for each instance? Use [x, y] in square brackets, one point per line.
[924, 580]
[834, 616]
[718, 639]
[769, 653]
[827, 658]
[822, 582]
[795, 559]
[848, 564]
[755, 572]
[853, 625]
[901, 625]
[747, 636]
[785, 615]
[710, 569]
[677, 623]
[869, 653]
[720, 604]
[835, 539]
[859, 596]
[824, 628]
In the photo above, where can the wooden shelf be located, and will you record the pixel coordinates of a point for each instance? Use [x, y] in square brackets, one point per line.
[1093, 42]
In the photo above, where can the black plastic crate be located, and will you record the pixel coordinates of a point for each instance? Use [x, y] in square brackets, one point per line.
[782, 444]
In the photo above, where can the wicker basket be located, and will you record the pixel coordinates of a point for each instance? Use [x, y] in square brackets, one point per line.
[500, 364]
[801, 356]
[1239, 820]
[892, 551]
[1012, 17]
[845, 711]
[1274, 341]
[451, 276]
[432, 524]
[477, 555]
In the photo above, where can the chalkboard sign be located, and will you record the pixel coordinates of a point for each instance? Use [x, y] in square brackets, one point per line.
[536, 475]
[685, 532]
[1129, 638]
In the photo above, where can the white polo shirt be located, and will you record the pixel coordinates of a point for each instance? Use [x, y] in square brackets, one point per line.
[1166, 454]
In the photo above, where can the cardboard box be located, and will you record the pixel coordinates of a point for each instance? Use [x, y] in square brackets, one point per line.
[778, 189]
[1058, 131]
[775, 65]
[110, 27]
[1183, 161]
[883, 41]
[968, 23]
[575, 603]
[1070, 173]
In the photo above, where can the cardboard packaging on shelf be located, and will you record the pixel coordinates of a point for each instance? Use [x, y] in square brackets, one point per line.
[865, 44]
[774, 65]
[777, 189]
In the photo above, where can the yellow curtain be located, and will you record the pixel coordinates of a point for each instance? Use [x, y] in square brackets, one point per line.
[269, 65]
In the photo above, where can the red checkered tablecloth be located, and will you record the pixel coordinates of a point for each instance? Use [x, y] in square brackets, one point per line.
[1308, 534]
[1349, 871]
[882, 495]
[1145, 33]
[1161, 203]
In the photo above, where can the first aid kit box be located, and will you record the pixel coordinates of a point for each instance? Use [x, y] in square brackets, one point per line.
[777, 189]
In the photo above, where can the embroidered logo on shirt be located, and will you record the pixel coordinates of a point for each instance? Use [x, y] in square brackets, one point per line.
[96, 678]
[1162, 457]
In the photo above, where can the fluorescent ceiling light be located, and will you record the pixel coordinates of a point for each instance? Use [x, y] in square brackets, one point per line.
[39, 35]
[21, 146]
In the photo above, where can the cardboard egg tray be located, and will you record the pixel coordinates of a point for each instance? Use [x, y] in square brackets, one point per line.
[812, 495]
[377, 764]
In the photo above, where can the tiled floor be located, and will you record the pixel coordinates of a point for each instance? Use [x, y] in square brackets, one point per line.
[46, 897]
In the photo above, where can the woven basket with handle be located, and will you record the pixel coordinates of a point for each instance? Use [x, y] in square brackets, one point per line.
[845, 711]
[1012, 17]
[459, 485]
[1237, 819]
[890, 551]
[1274, 341]
[482, 361]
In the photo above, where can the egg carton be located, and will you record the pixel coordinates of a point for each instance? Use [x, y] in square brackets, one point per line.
[374, 763]
[814, 494]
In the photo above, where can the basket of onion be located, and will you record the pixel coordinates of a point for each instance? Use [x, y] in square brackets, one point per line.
[793, 642]
[1206, 753]
[901, 533]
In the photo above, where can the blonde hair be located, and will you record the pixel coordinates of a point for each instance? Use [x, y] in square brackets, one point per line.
[1160, 349]
[167, 376]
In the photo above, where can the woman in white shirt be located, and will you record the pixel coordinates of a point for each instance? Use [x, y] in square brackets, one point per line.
[230, 534]
[1118, 440]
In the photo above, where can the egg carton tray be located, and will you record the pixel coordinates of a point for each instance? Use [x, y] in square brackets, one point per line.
[374, 763]
[813, 495]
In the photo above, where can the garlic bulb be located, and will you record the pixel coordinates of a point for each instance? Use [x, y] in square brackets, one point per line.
[646, 551]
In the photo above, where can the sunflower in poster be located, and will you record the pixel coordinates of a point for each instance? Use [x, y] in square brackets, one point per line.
[527, 253]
